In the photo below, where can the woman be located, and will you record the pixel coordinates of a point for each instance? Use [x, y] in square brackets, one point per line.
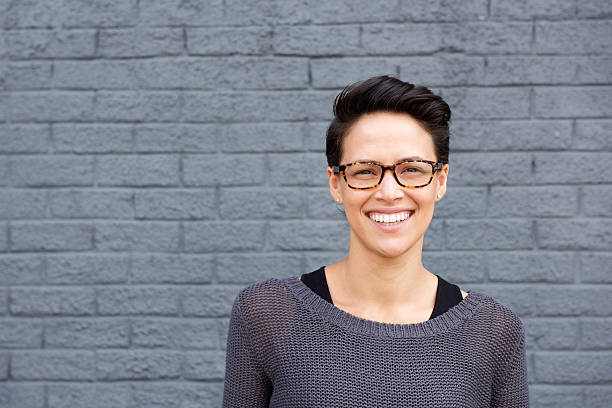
[377, 329]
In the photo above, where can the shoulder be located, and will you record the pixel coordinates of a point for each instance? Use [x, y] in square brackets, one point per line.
[261, 298]
[506, 329]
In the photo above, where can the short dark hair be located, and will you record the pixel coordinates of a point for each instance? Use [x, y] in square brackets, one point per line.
[385, 93]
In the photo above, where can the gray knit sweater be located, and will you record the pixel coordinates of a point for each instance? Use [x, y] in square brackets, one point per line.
[288, 347]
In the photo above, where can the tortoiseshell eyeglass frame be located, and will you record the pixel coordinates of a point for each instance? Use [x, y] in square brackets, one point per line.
[342, 168]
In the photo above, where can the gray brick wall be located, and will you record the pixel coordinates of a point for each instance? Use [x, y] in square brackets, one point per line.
[125, 234]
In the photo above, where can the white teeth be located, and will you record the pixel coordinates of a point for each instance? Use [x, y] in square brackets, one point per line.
[390, 218]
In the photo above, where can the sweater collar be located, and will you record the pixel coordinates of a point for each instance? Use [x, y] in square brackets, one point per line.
[331, 313]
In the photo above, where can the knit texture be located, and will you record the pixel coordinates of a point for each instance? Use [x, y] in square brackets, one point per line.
[288, 347]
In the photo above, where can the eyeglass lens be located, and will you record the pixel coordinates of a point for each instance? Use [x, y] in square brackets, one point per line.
[412, 174]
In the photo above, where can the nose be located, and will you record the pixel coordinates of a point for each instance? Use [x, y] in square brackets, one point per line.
[389, 189]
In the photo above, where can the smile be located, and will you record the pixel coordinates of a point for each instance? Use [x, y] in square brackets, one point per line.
[390, 219]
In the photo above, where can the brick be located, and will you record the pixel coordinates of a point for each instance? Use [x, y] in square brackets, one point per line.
[204, 365]
[229, 40]
[24, 138]
[97, 395]
[176, 137]
[553, 267]
[70, 13]
[571, 167]
[489, 234]
[42, 43]
[138, 365]
[317, 40]
[51, 106]
[134, 170]
[454, 70]
[597, 396]
[560, 102]
[225, 170]
[487, 103]
[533, 201]
[70, 269]
[392, 39]
[167, 268]
[3, 301]
[92, 138]
[95, 74]
[257, 107]
[439, 10]
[593, 134]
[596, 268]
[175, 334]
[86, 333]
[528, 10]
[175, 204]
[4, 237]
[20, 334]
[573, 37]
[521, 70]
[551, 333]
[223, 236]
[208, 301]
[510, 135]
[339, 72]
[303, 169]
[258, 203]
[4, 364]
[584, 300]
[308, 12]
[16, 204]
[490, 168]
[138, 300]
[48, 301]
[90, 203]
[253, 267]
[178, 12]
[597, 201]
[575, 234]
[137, 236]
[22, 395]
[573, 368]
[119, 106]
[29, 75]
[596, 334]
[140, 42]
[312, 235]
[462, 202]
[594, 8]
[56, 170]
[51, 236]
[261, 137]
[53, 365]
[4, 170]
[22, 269]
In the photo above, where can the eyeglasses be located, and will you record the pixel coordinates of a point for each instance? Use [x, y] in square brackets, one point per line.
[364, 175]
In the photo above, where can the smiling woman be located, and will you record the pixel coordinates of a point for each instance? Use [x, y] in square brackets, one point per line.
[377, 328]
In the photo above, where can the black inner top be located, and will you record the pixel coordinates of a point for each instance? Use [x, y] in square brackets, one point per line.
[447, 294]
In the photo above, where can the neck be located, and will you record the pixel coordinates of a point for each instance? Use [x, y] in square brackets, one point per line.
[399, 281]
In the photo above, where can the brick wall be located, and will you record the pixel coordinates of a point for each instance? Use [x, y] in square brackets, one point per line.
[158, 156]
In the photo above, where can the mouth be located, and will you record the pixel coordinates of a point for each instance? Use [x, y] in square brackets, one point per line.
[390, 222]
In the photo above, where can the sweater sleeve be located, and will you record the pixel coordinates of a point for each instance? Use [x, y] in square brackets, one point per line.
[512, 391]
[246, 384]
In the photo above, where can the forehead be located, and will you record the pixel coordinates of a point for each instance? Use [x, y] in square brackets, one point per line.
[387, 137]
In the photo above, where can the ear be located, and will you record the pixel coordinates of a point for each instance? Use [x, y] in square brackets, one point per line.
[334, 185]
[441, 178]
